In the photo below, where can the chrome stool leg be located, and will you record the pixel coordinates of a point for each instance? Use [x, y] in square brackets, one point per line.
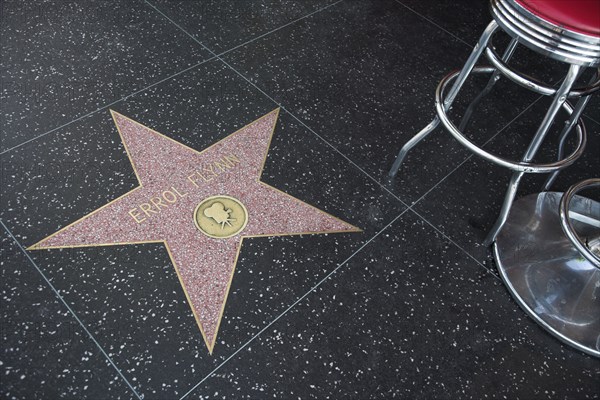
[579, 107]
[488, 88]
[559, 98]
[568, 128]
[412, 143]
[464, 73]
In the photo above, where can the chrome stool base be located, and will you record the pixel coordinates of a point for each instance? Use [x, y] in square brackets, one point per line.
[544, 272]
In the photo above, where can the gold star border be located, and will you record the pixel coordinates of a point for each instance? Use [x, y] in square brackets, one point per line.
[209, 345]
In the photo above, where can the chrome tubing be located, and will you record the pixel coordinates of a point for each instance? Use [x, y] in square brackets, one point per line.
[534, 85]
[510, 49]
[462, 76]
[573, 119]
[559, 99]
[522, 166]
[567, 226]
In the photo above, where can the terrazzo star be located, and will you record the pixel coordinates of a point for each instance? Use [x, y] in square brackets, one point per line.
[201, 225]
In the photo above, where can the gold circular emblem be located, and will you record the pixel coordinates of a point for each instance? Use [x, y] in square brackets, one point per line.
[220, 217]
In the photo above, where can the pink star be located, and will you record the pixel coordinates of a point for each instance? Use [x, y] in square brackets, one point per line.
[173, 180]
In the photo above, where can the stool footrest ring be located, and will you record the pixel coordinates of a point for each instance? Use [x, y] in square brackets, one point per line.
[518, 166]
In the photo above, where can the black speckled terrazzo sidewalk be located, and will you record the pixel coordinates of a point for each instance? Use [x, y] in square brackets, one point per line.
[389, 294]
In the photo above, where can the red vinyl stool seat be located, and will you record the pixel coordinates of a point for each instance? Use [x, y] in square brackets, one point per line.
[581, 16]
[566, 30]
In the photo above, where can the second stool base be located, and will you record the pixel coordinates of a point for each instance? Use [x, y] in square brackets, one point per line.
[544, 272]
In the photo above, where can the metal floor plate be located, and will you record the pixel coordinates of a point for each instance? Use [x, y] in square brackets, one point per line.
[547, 276]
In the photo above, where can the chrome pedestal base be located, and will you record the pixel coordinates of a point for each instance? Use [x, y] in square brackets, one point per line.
[547, 276]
